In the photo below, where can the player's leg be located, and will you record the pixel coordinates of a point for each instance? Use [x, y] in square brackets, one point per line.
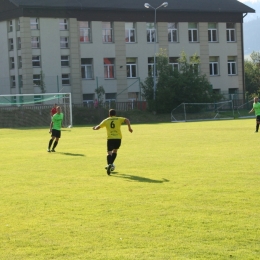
[55, 144]
[57, 134]
[257, 123]
[50, 142]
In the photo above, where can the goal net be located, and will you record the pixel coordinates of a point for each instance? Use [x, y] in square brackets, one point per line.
[33, 110]
[203, 111]
[242, 111]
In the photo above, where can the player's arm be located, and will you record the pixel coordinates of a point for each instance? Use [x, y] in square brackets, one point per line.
[129, 125]
[251, 110]
[97, 127]
[51, 124]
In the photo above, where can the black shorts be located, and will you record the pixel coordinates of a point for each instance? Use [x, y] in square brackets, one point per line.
[113, 144]
[257, 118]
[56, 133]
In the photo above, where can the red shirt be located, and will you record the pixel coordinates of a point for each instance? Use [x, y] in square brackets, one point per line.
[53, 111]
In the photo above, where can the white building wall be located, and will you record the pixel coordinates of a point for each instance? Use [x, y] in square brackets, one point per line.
[51, 52]
[4, 60]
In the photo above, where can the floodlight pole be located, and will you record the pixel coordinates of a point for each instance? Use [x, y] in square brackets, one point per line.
[147, 5]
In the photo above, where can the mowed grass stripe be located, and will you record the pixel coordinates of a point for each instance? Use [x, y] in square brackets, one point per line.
[179, 191]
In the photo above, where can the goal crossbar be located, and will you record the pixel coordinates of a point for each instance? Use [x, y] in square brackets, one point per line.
[33, 110]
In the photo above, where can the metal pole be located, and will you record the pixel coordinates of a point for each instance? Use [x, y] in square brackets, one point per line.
[154, 57]
[147, 5]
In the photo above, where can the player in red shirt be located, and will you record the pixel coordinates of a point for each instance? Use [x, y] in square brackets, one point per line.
[54, 110]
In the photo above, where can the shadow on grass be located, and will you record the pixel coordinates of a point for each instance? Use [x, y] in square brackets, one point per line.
[137, 178]
[72, 154]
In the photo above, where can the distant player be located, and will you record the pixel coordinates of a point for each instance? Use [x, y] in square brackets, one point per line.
[114, 136]
[55, 129]
[54, 110]
[256, 108]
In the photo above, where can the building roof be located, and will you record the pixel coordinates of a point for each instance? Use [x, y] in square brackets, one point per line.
[223, 6]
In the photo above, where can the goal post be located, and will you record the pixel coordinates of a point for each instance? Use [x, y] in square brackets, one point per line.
[242, 111]
[33, 110]
[203, 111]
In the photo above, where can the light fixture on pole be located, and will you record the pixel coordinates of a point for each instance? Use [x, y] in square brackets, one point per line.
[147, 5]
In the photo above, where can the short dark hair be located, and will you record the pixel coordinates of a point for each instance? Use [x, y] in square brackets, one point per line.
[112, 112]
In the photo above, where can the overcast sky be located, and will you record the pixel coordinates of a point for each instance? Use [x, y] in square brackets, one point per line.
[247, 1]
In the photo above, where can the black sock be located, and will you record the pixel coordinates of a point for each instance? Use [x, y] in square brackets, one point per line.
[50, 143]
[257, 127]
[55, 144]
[114, 157]
[109, 159]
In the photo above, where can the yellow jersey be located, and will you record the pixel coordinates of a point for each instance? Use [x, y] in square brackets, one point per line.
[113, 126]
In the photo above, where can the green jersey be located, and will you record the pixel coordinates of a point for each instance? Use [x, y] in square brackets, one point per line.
[113, 126]
[256, 107]
[57, 121]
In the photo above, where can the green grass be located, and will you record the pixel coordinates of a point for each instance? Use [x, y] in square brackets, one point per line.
[179, 191]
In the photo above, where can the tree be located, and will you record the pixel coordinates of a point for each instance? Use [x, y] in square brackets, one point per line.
[100, 93]
[177, 86]
[252, 75]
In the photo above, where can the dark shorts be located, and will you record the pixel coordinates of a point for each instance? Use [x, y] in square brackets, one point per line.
[113, 144]
[56, 133]
[258, 118]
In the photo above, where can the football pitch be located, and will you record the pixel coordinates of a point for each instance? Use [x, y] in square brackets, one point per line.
[179, 191]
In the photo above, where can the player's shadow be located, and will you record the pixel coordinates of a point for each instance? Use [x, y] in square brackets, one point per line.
[73, 154]
[138, 178]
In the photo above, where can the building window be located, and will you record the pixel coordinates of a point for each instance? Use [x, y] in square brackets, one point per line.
[150, 32]
[65, 62]
[174, 62]
[37, 99]
[194, 67]
[11, 44]
[12, 64]
[63, 24]
[87, 68]
[19, 45]
[88, 99]
[231, 32]
[20, 62]
[130, 32]
[110, 97]
[212, 32]
[34, 23]
[85, 31]
[107, 32]
[36, 61]
[193, 32]
[172, 32]
[131, 68]
[232, 66]
[10, 29]
[18, 25]
[65, 79]
[35, 42]
[64, 42]
[36, 80]
[13, 82]
[133, 96]
[151, 66]
[213, 66]
[109, 68]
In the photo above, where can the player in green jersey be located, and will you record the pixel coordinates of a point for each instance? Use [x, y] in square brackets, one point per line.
[256, 108]
[55, 129]
[114, 135]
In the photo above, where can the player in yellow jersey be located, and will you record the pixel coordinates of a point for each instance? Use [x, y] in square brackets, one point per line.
[113, 125]
[256, 108]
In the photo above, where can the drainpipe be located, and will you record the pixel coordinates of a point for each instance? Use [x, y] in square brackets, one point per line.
[243, 55]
